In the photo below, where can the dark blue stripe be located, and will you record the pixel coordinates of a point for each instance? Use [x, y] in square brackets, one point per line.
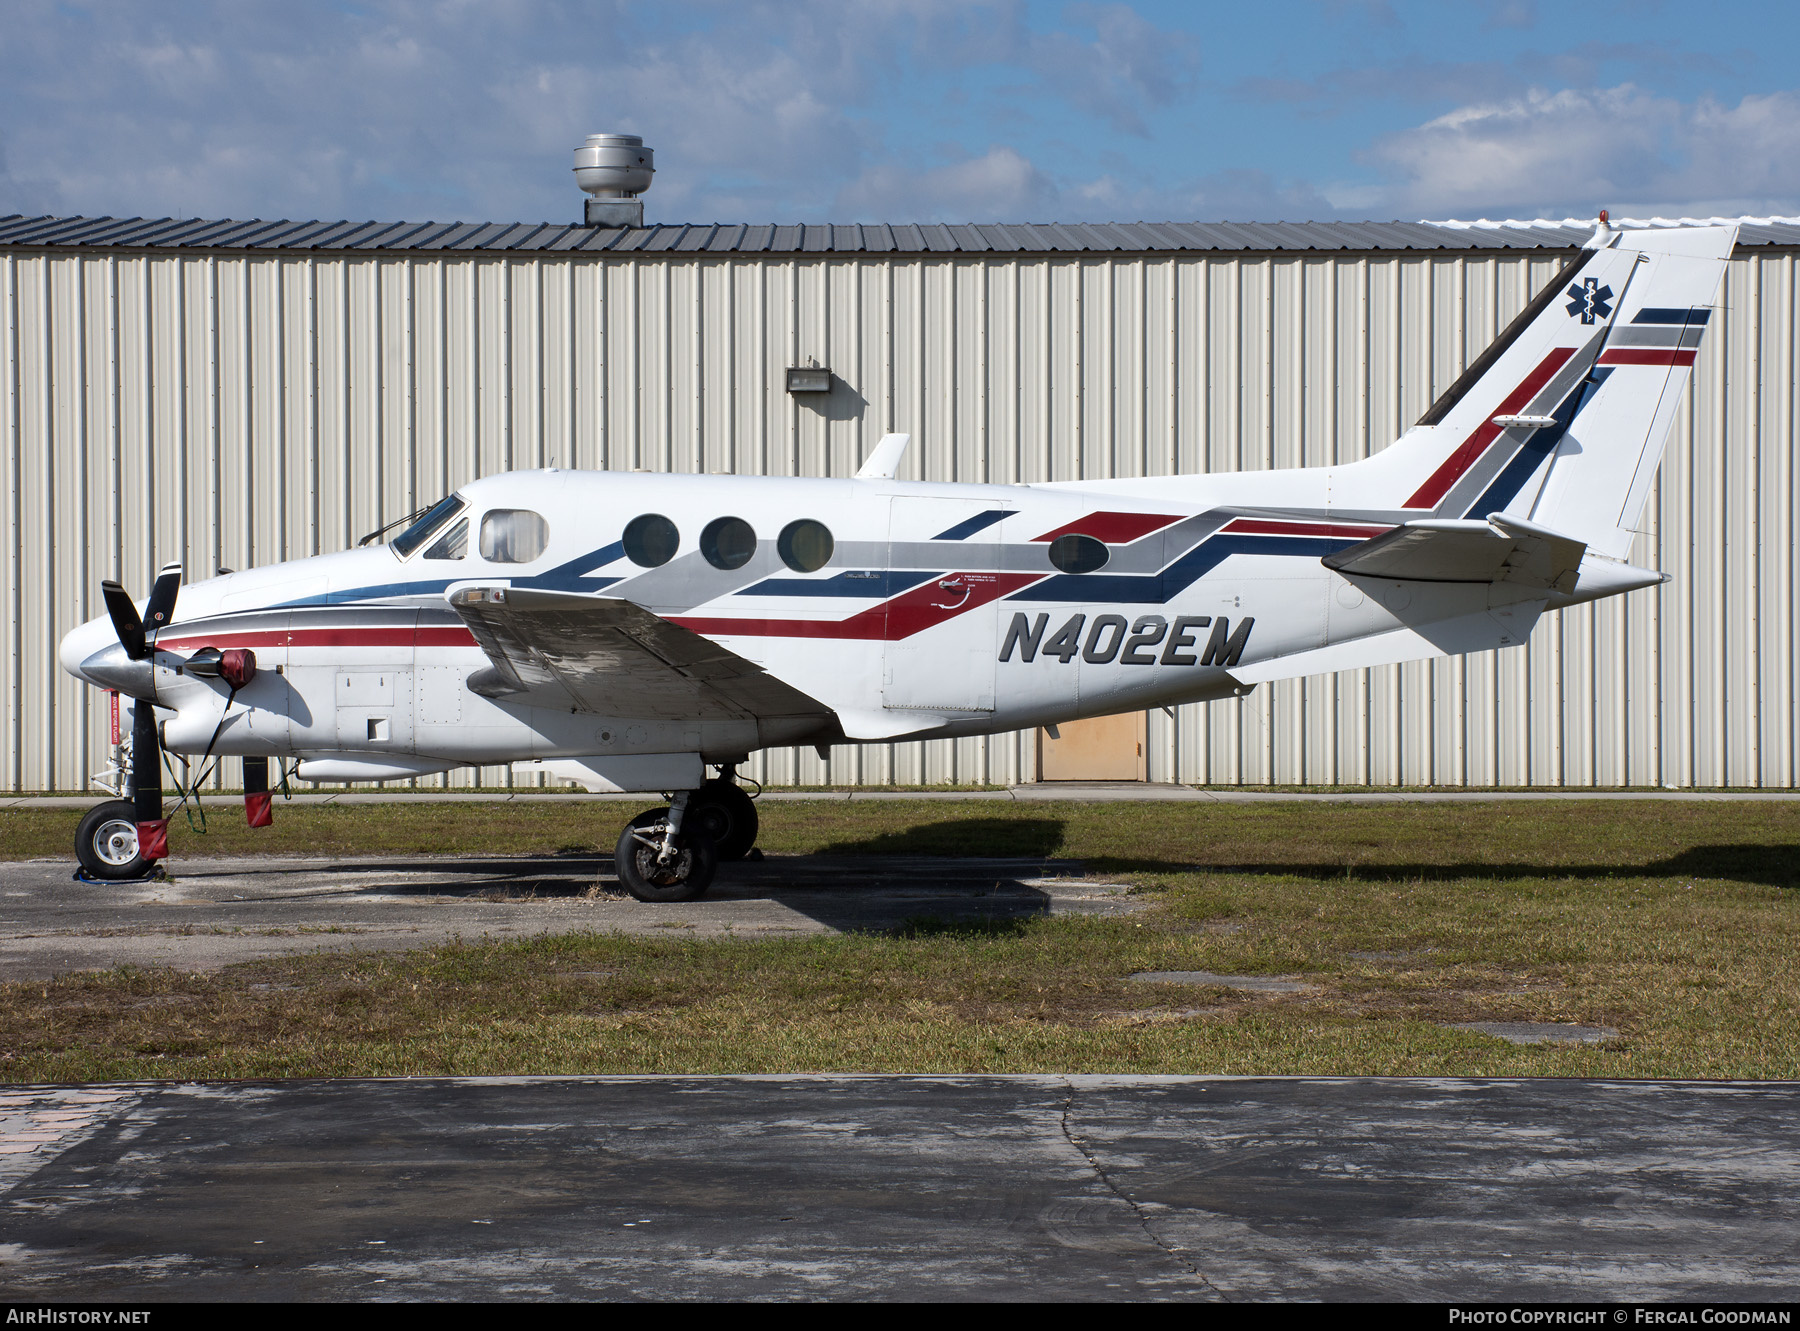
[1513, 476]
[969, 526]
[1161, 588]
[872, 584]
[549, 582]
[584, 564]
[1665, 316]
[1542, 443]
[371, 593]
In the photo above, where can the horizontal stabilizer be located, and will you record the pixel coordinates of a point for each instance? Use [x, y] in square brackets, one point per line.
[1449, 550]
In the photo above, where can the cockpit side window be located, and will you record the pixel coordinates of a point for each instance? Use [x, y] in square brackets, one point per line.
[513, 536]
[453, 544]
[416, 535]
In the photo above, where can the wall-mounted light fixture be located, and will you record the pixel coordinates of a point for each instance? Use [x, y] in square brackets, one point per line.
[808, 379]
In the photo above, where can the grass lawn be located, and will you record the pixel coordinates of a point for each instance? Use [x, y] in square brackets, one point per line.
[1675, 924]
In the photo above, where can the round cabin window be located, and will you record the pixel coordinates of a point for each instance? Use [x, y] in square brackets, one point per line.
[1075, 553]
[805, 545]
[651, 540]
[728, 543]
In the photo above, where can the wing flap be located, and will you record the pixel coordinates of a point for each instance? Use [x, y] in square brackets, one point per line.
[614, 658]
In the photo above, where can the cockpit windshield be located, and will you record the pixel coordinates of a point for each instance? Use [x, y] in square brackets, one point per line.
[417, 534]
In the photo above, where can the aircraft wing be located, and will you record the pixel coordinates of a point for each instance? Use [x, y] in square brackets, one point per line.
[1498, 550]
[613, 658]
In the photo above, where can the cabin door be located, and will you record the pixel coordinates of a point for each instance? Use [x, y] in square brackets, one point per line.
[943, 627]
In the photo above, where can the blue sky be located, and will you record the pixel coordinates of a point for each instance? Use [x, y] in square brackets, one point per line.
[903, 110]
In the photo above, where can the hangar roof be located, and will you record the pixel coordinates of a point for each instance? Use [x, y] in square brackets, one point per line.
[817, 238]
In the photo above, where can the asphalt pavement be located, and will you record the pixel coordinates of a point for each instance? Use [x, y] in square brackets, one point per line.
[215, 912]
[891, 1188]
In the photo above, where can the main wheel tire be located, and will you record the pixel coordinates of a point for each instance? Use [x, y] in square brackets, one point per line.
[724, 812]
[106, 842]
[686, 876]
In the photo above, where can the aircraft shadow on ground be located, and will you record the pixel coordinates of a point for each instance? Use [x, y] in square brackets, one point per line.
[955, 877]
[1766, 865]
[564, 874]
[1037, 837]
[966, 875]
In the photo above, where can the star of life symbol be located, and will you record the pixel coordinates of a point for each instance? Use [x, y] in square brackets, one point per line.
[1590, 300]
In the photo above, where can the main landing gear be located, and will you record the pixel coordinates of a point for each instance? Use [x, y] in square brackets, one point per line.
[670, 854]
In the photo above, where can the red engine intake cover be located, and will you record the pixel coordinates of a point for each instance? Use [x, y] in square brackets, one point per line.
[237, 667]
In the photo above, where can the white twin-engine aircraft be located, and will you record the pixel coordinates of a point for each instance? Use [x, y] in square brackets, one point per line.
[628, 631]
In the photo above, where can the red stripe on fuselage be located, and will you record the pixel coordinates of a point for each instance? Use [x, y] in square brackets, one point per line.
[1269, 527]
[447, 636]
[1114, 527]
[1647, 356]
[1477, 443]
[909, 613]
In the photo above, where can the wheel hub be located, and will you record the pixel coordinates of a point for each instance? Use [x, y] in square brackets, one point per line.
[665, 873]
[117, 842]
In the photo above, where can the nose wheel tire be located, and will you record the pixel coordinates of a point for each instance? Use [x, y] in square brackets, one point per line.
[643, 872]
[106, 842]
[724, 812]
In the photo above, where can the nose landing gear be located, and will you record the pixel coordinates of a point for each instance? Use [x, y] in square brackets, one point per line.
[106, 842]
[124, 838]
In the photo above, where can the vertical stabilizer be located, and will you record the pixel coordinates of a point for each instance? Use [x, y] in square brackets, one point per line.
[1604, 461]
[1485, 440]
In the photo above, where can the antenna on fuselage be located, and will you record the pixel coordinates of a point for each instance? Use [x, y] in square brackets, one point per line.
[884, 462]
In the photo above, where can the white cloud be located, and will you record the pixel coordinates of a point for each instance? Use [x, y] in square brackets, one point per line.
[413, 109]
[1130, 66]
[1237, 195]
[1510, 13]
[1000, 185]
[1571, 152]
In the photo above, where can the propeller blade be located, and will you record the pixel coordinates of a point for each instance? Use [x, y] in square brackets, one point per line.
[125, 619]
[160, 609]
[146, 782]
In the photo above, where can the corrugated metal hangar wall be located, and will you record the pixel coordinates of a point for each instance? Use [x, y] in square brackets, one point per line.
[229, 404]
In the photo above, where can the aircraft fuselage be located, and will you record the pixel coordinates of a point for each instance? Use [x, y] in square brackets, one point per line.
[939, 611]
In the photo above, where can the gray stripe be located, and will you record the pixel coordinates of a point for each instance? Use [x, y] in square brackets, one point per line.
[688, 580]
[1655, 335]
[1474, 482]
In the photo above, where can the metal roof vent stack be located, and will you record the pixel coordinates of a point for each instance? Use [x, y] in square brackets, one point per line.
[614, 169]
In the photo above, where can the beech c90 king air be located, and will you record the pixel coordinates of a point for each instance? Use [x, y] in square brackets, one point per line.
[627, 631]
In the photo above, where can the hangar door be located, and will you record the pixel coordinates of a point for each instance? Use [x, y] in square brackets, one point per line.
[1101, 748]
